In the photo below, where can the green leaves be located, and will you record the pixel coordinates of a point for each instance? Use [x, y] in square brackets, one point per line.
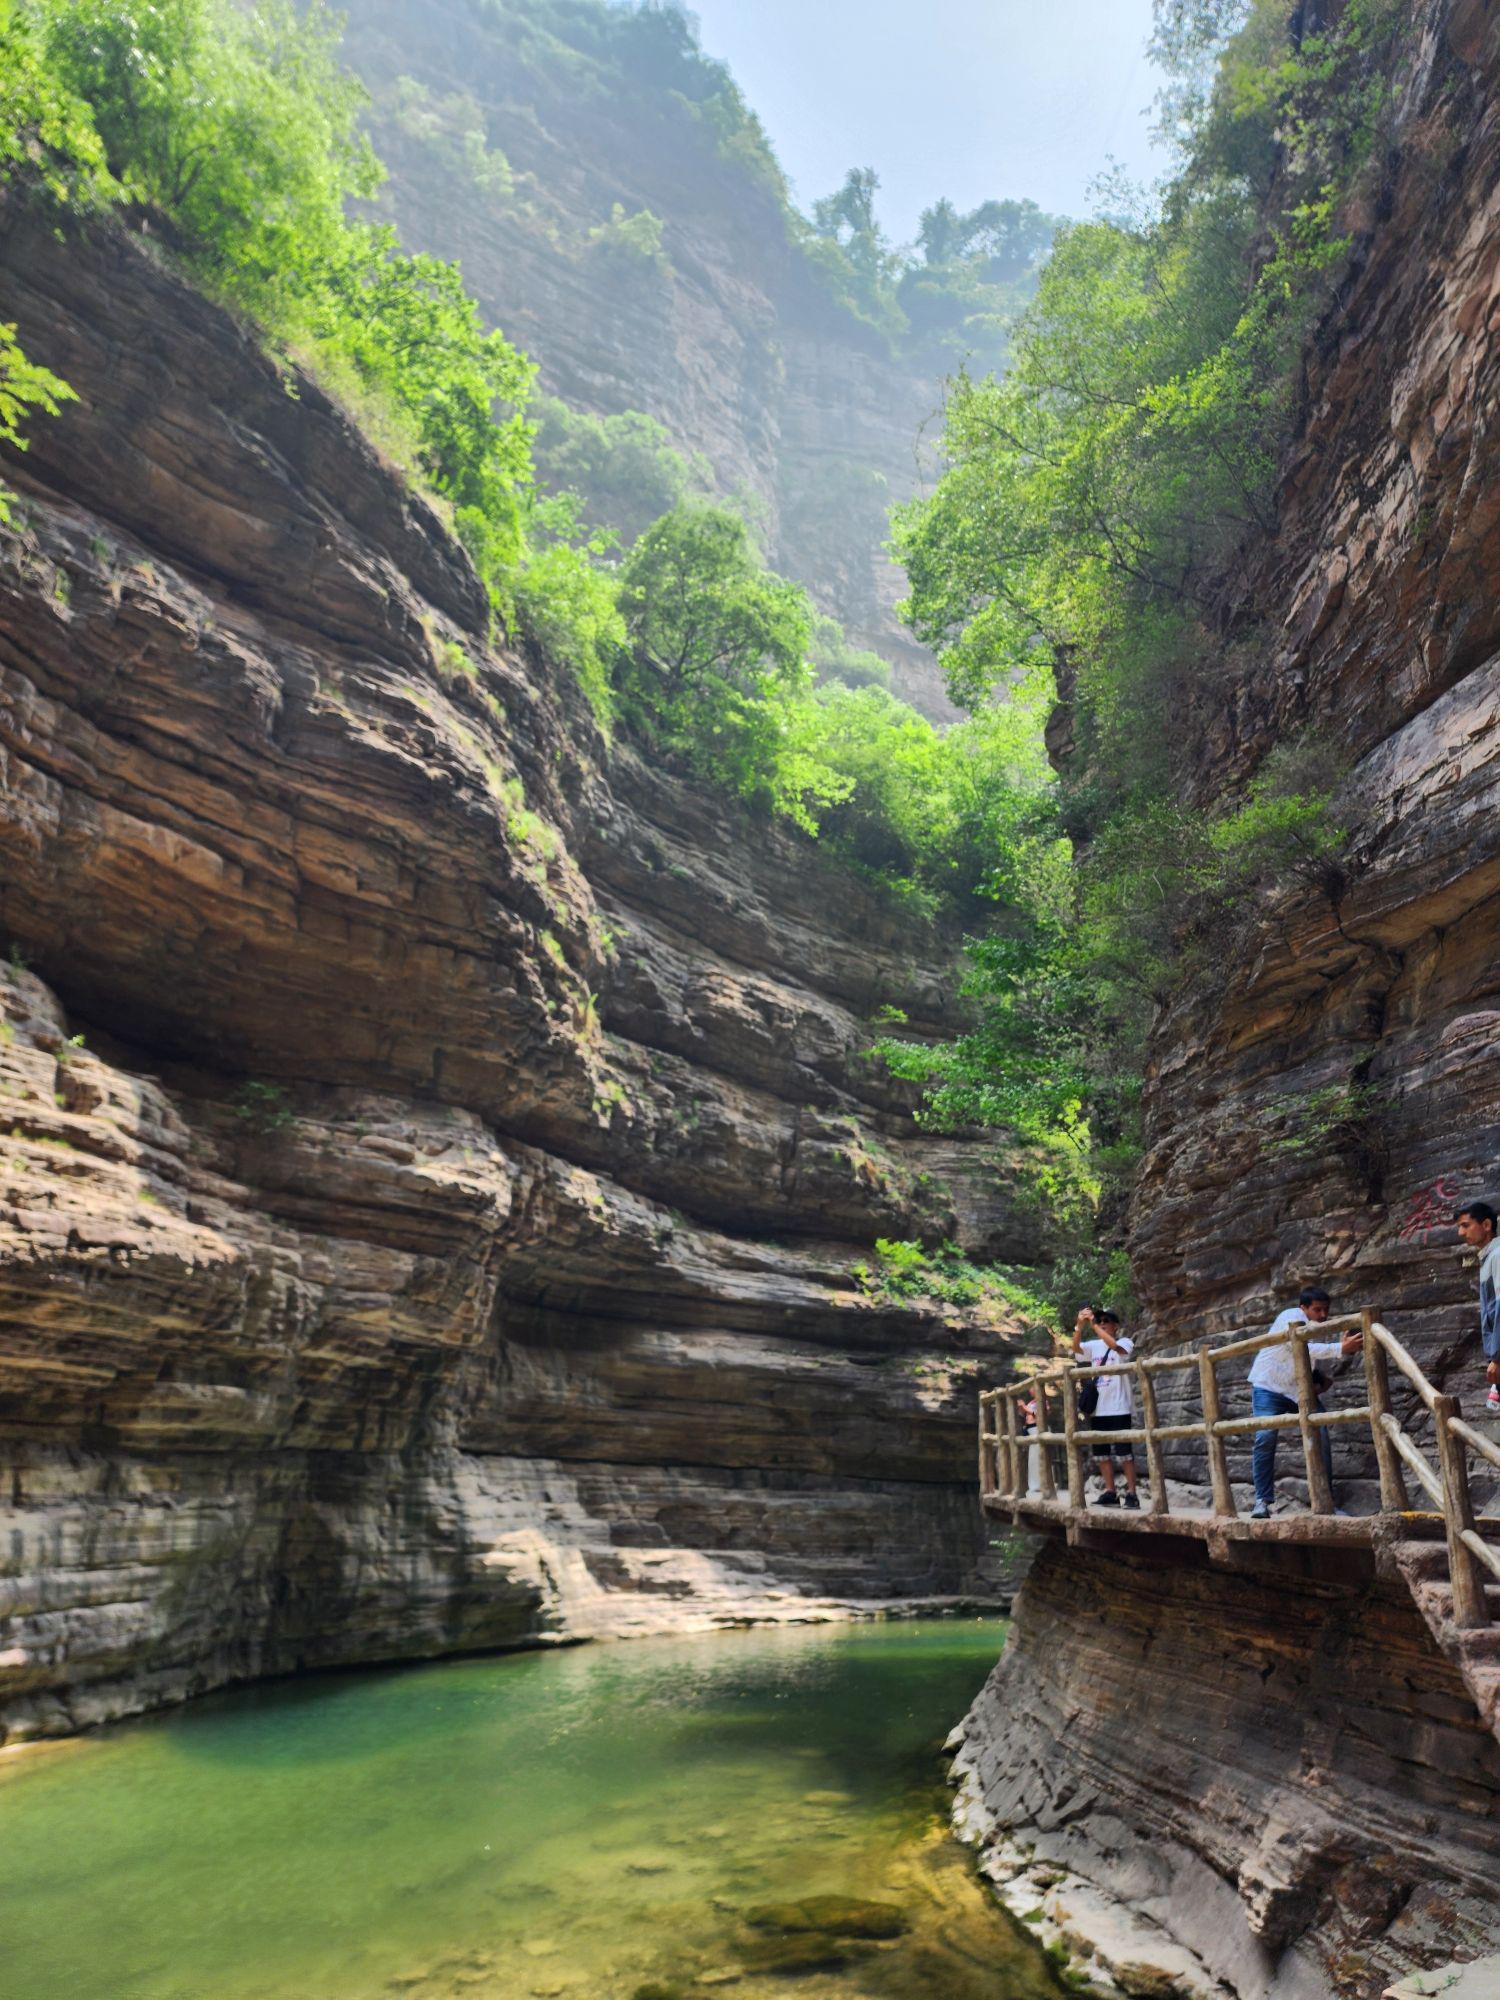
[1094, 499]
[47, 133]
[717, 645]
[240, 124]
[25, 388]
[624, 469]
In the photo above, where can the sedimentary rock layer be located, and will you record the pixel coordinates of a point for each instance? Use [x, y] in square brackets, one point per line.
[1283, 1769]
[436, 1148]
[1274, 1764]
[1367, 626]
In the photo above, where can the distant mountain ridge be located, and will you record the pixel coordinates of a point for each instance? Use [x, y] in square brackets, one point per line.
[639, 242]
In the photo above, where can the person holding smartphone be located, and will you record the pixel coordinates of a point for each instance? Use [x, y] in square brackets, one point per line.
[1100, 1340]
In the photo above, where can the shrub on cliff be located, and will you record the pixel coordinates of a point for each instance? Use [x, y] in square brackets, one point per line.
[624, 469]
[1096, 497]
[240, 131]
[48, 139]
[241, 126]
[26, 389]
[717, 653]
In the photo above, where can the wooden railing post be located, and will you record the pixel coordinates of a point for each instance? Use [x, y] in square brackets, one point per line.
[1075, 1449]
[1319, 1491]
[1218, 1457]
[1469, 1608]
[988, 1467]
[1154, 1467]
[1044, 1478]
[1393, 1495]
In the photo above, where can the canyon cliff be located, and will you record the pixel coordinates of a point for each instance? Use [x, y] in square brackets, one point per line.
[1281, 1766]
[436, 1147]
[728, 335]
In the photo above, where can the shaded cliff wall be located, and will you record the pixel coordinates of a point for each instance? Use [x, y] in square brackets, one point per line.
[1274, 1767]
[1281, 1768]
[434, 1149]
[1371, 620]
[731, 342]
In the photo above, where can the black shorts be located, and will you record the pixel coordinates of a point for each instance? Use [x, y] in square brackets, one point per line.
[1120, 1423]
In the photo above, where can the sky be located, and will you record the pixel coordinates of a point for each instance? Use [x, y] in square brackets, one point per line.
[965, 98]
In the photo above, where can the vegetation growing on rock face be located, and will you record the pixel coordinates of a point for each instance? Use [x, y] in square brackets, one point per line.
[954, 292]
[26, 389]
[624, 469]
[1095, 493]
[1095, 498]
[240, 129]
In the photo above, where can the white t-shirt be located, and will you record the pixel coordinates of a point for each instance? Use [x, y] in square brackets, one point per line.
[1114, 1388]
[1274, 1367]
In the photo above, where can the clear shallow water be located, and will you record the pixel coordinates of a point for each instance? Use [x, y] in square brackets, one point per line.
[571, 1826]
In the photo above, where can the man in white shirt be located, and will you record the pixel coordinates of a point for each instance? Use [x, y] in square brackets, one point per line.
[1273, 1389]
[1107, 1352]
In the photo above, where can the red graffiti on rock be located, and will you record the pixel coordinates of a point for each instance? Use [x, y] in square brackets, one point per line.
[1431, 1210]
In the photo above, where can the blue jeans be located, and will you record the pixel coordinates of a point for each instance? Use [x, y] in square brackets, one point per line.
[1268, 1403]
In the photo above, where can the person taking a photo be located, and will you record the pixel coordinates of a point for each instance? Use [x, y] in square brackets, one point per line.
[1099, 1339]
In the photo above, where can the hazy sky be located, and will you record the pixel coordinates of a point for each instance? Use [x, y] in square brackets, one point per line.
[968, 98]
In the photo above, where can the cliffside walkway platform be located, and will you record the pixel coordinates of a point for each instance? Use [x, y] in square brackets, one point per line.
[1430, 1526]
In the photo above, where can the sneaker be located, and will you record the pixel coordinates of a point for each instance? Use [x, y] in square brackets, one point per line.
[1260, 1511]
[1108, 1500]
[1492, 1400]
[1132, 1500]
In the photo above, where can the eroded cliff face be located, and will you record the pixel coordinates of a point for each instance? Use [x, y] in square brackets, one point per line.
[1283, 1770]
[434, 1148]
[1379, 624]
[729, 340]
[1273, 1768]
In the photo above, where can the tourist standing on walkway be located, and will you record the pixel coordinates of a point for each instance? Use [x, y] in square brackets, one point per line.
[1026, 1407]
[1107, 1352]
[1476, 1225]
[1273, 1389]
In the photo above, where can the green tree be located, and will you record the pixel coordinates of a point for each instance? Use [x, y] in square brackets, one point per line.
[624, 468]
[718, 645]
[240, 124]
[1095, 498]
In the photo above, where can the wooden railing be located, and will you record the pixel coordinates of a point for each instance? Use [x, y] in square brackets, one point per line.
[1005, 1446]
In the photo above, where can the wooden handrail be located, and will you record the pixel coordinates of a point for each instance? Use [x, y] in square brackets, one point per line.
[1005, 1448]
[1477, 1545]
[1356, 1413]
[1426, 1477]
[1397, 1353]
[1477, 1442]
[1160, 1363]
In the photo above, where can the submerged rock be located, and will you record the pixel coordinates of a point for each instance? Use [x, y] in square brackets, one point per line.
[840, 1916]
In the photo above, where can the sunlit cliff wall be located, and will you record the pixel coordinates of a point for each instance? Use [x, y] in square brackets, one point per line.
[434, 1147]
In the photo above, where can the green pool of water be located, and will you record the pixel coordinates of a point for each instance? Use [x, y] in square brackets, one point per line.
[570, 1826]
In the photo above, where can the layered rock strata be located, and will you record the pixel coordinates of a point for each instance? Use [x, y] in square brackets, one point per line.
[435, 1149]
[1284, 1769]
[1270, 1771]
[1317, 1111]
